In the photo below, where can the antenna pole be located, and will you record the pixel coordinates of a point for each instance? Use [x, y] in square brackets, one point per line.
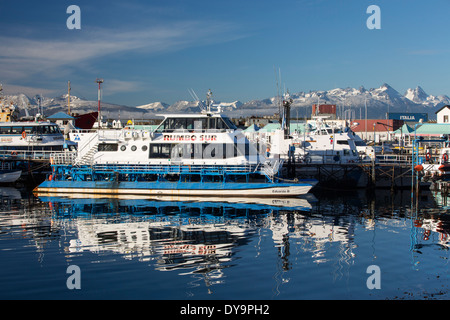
[99, 81]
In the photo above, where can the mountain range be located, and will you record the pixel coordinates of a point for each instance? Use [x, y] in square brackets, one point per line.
[353, 101]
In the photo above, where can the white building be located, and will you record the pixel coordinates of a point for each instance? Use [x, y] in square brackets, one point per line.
[443, 114]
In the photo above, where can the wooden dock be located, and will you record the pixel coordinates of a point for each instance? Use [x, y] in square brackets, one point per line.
[389, 171]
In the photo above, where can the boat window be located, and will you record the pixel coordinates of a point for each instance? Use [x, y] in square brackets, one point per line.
[190, 124]
[228, 123]
[123, 148]
[107, 147]
[16, 130]
[177, 151]
[160, 150]
[342, 142]
[28, 130]
[179, 124]
[36, 130]
[53, 129]
[212, 123]
[218, 123]
[5, 130]
[133, 148]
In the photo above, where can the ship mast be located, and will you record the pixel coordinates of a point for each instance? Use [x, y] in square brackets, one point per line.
[208, 101]
[99, 118]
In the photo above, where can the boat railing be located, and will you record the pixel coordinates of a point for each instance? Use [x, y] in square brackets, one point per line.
[36, 155]
[271, 168]
[63, 158]
[175, 169]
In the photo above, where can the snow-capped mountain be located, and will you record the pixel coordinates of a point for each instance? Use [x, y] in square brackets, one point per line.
[379, 101]
[48, 106]
[154, 106]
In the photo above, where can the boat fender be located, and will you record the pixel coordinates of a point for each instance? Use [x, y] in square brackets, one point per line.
[50, 177]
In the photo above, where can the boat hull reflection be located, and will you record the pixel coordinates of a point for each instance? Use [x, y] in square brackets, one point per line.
[196, 235]
[295, 203]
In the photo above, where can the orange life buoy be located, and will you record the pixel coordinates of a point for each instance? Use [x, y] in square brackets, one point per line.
[427, 156]
[445, 157]
[14, 153]
[24, 134]
[50, 177]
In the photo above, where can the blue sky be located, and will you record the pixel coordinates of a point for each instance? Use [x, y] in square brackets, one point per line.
[150, 51]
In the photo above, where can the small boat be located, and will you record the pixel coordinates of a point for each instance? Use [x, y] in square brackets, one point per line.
[200, 154]
[9, 175]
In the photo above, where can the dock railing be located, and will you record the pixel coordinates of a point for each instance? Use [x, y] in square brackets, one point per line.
[394, 159]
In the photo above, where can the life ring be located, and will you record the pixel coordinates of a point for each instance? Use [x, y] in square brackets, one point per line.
[427, 156]
[50, 177]
[13, 153]
[445, 157]
[24, 134]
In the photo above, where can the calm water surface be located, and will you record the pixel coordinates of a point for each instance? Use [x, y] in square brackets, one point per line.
[317, 247]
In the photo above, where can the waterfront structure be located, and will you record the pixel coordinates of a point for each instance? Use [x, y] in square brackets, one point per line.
[443, 114]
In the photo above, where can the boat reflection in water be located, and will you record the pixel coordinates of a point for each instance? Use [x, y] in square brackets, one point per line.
[288, 248]
[197, 234]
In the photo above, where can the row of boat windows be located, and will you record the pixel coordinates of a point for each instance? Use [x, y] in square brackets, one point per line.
[50, 129]
[172, 124]
[185, 151]
[33, 148]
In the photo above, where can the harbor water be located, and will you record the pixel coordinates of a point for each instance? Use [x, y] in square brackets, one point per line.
[329, 244]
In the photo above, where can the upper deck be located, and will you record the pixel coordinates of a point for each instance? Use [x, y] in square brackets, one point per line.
[195, 123]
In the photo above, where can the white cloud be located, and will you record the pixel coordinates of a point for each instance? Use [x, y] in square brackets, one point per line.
[20, 57]
[11, 89]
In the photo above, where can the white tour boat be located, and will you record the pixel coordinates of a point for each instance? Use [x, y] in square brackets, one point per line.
[191, 155]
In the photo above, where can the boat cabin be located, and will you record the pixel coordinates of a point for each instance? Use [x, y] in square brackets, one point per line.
[197, 123]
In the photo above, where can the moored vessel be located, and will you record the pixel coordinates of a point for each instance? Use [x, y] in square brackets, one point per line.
[186, 155]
